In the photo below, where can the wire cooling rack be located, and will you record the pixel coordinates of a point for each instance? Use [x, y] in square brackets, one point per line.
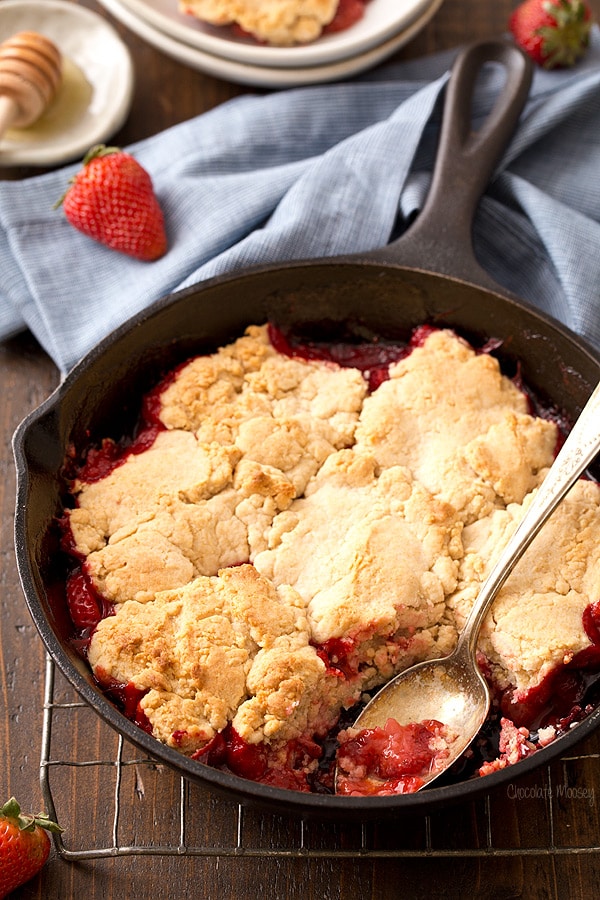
[553, 812]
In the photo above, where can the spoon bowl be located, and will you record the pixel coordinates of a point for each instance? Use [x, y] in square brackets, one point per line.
[448, 690]
[452, 690]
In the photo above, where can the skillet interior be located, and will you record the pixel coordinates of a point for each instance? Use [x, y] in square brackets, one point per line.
[100, 397]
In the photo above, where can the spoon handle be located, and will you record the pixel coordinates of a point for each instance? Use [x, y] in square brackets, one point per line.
[577, 453]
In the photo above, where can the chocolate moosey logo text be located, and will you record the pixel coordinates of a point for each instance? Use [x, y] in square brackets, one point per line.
[550, 792]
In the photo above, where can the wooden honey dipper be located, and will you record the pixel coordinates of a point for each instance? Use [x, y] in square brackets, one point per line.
[30, 75]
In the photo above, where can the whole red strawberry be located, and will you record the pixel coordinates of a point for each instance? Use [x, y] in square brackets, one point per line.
[112, 200]
[24, 845]
[555, 33]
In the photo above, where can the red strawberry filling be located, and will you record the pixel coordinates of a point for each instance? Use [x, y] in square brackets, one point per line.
[393, 759]
[348, 13]
[127, 697]
[559, 700]
[86, 605]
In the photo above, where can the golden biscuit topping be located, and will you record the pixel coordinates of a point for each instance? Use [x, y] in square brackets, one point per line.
[278, 22]
[289, 540]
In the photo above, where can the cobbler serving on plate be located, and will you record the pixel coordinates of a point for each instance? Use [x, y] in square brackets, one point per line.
[279, 23]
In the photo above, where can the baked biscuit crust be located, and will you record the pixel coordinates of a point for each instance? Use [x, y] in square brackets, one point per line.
[290, 541]
[279, 22]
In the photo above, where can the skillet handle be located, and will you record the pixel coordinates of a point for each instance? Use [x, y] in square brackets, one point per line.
[440, 239]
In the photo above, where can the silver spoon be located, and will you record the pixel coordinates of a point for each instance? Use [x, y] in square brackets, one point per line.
[452, 690]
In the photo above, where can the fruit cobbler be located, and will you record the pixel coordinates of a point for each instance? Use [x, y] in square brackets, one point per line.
[280, 23]
[293, 525]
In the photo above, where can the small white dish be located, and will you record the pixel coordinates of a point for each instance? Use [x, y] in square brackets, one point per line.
[95, 97]
[382, 20]
[266, 77]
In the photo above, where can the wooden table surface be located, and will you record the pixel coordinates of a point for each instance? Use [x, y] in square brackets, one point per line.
[133, 829]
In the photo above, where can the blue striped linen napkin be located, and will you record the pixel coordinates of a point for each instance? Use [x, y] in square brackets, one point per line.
[319, 171]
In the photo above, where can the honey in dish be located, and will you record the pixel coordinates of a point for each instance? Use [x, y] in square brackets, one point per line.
[71, 102]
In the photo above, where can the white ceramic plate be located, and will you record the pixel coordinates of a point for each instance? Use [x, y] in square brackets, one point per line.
[382, 20]
[96, 93]
[266, 76]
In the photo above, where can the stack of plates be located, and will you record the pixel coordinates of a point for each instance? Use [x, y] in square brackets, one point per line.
[386, 26]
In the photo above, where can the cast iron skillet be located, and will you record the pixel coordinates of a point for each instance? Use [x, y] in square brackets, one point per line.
[385, 293]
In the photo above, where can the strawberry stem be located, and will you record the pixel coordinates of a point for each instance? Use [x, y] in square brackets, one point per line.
[28, 822]
[566, 39]
[97, 151]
